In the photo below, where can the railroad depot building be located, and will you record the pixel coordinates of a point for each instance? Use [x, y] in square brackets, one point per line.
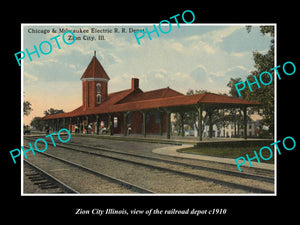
[133, 110]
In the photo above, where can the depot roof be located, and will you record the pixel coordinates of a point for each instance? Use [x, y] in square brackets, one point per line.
[166, 98]
[94, 71]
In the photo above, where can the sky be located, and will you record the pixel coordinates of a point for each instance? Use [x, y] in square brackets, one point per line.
[194, 56]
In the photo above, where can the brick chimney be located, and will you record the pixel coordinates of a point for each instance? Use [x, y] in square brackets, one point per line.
[134, 83]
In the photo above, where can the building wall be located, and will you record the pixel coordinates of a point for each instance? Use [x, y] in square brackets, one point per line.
[153, 121]
[89, 93]
[135, 121]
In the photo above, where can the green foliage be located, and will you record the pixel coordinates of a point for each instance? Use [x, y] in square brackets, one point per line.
[36, 123]
[231, 83]
[225, 151]
[264, 94]
[27, 108]
[53, 111]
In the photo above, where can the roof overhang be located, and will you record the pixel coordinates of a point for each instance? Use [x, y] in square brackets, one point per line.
[174, 104]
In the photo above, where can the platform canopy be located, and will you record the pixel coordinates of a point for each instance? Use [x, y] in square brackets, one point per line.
[116, 102]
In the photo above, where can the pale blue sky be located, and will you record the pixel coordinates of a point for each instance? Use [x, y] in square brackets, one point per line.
[190, 57]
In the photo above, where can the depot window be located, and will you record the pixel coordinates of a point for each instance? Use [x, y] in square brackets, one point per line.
[98, 98]
[98, 85]
[115, 122]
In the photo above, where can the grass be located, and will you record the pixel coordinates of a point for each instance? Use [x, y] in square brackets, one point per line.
[230, 152]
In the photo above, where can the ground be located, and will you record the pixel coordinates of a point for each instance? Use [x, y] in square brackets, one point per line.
[228, 152]
[136, 163]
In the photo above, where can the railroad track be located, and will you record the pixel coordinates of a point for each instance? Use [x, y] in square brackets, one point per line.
[267, 178]
[126, 185]
[44, 180]
[182, 169]
[260, 174]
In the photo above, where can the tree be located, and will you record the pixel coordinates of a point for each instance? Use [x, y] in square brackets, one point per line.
[27, 108]
[36, 123]
[53, 111]
[264, 94]
[232, 90]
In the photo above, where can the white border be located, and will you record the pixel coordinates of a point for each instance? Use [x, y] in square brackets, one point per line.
[147, 24]
[22, 116]
[275, 110]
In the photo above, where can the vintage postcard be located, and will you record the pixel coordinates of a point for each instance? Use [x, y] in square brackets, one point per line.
[149, 109]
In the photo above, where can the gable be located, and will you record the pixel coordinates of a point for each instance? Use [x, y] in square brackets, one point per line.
[94, 71]
[155, 94]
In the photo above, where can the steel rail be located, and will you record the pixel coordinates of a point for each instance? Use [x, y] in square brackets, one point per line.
[222, 171]
[102, 175]
[48, 176]
[194, 176]
[205, 168]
